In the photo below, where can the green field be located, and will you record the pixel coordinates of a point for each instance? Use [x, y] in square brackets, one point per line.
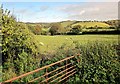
[73, 23]
[92, 24]
[67, 23]
[51, 43]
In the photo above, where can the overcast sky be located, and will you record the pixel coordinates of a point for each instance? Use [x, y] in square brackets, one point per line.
[61, 11]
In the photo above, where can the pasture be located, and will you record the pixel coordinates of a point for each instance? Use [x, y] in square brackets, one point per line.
[50, 43]
[92, 24]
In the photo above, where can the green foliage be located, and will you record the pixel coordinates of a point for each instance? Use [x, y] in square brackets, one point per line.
[37, 30]
[99, 63]
[87, 27]
[19, 50]
[56, 28]
[99, 31]
[76, 29]
[45, 31]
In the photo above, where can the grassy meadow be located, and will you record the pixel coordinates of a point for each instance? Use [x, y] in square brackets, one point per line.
[92, 24]
[50, 43]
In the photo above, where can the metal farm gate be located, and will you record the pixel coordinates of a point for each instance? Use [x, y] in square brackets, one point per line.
[65, 69]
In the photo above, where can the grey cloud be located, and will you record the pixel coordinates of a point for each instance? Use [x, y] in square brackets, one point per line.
[92, 10]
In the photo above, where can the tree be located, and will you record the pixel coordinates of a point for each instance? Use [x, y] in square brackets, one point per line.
[76, 29]
[38, 30]
[56, 28]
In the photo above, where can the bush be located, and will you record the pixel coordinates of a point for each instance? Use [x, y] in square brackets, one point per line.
[100, 31]
[37, 30]
[99, 63]
[19, 50]
[56, 28]
[76, 30]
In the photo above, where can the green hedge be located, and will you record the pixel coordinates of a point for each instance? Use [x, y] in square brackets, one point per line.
[99, 63]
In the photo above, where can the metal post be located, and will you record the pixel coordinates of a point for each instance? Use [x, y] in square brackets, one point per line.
[66, 71]
[46, 76]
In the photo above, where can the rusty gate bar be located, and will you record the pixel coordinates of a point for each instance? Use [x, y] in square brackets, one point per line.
[67, 76]
[46, 75]
[58, 74]
[67, 72]
[49, 73]
[62, 75]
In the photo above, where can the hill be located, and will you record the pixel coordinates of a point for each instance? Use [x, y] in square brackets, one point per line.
[113, 23]
[92, 24]
[69, 23]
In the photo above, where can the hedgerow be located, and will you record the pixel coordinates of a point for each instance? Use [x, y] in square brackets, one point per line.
[99, 63]
[19, 49]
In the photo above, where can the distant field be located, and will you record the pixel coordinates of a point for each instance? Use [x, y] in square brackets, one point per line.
[73, 23]
[92, 24]
[53, 42]
[66, 23]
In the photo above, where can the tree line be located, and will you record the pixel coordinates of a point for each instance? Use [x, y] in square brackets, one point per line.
[58, 29]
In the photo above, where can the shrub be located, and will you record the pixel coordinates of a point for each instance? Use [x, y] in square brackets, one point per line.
[99, 63]
[19, 50]
[76, 30]
[56, 28]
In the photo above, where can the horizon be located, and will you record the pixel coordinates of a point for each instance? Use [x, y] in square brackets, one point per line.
[73, 20]
[46, 12]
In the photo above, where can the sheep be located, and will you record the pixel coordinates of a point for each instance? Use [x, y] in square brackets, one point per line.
[41, 43]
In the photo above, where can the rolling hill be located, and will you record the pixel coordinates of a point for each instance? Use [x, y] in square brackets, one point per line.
[92, 24]
[69, 23]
